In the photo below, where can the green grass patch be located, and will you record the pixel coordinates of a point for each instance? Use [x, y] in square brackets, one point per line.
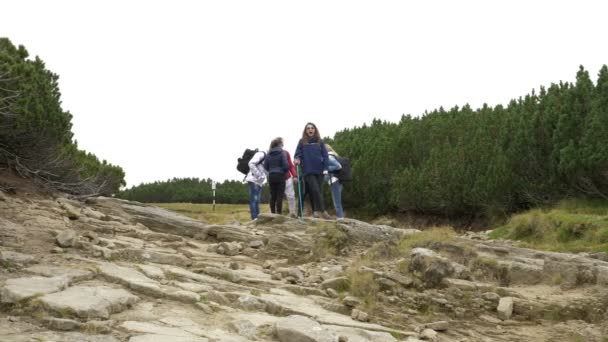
[443, 234]
[329, 239]
[221, 214]
[571, 226]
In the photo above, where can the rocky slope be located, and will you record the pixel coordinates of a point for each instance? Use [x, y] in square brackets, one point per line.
[109, 270]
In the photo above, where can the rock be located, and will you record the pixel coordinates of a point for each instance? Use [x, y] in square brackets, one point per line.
[16, 290]
[93, 213]
[288, 245]
[256, 244]
[166, 338]
[162, 220]
[359, 315]
[251, 303]
[66, 238]
[438, 326]
[92, 237]
[152, 271]
[350, 334]
[423, 252]
[217, 297]
[100, 327]
[333, 271]
[131, 278]
[301, 329]
[332, 293]
[338, 284]
[304, 291]
[491, 297]
[57, 250]
[428, 334]
[158, 333]
[220, 273]
[525, 273]
[274, 264]
[230, 248]
[351, 301]
[206, 308]
[74, 274]
[464, 285]
[72, 212]
[490, 319]
[10, 258]
[244, 328]
[185, 296]
[192, 287]
[294, 272]
[89, 302]
[432, 268]
[62, 324]
[505, 308]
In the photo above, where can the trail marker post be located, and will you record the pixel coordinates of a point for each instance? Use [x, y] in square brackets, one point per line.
[213, 188]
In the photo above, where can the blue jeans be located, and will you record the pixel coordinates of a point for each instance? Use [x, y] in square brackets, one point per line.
[254, 199]
[336, 197]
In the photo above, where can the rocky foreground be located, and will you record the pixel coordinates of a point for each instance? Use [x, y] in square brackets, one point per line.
[108, 270]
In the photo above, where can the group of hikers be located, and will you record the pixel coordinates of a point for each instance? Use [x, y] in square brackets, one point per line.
[314, 163]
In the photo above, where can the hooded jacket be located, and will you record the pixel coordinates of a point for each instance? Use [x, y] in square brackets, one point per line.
[313, 156]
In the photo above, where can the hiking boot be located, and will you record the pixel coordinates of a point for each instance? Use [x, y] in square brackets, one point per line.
[326, 215]
[293, 216]
[316, 214]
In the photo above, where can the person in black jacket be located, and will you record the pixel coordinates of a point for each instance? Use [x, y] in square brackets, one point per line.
[276, 165]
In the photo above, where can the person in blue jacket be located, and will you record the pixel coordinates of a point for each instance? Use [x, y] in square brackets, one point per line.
[311, 154]
[276, 165]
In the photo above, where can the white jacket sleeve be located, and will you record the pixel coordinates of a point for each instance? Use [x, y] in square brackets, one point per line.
[257, 173]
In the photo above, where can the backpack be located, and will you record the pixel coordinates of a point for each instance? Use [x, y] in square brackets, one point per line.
[243, 162]
[345, 174]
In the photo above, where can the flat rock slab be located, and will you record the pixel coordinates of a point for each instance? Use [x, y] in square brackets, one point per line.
[90, 302]
[165, 338]
[132, 278]
[302, 329]
[154, 332]
[19, 289]
[16, 258]
[286, 302]
[360, 335]
[52, 336]
[73, 274]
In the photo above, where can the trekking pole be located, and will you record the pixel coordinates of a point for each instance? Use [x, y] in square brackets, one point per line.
[300, 193]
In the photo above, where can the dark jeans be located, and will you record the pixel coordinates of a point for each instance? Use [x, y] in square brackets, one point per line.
[314, 184]
[277, 189]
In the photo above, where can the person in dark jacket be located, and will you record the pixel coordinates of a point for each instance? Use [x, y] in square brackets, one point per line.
[276, 165]
[312, 155]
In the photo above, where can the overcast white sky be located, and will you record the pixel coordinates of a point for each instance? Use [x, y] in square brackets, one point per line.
[179, 88]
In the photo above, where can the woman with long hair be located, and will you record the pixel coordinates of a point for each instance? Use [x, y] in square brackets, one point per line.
[311, 153]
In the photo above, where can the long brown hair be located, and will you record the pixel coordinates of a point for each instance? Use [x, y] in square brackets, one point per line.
[305, 136]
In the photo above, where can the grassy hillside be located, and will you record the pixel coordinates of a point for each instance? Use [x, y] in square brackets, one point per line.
[572, 225]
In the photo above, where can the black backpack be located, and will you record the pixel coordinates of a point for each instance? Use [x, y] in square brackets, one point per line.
[243, 162]
[345, 174]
